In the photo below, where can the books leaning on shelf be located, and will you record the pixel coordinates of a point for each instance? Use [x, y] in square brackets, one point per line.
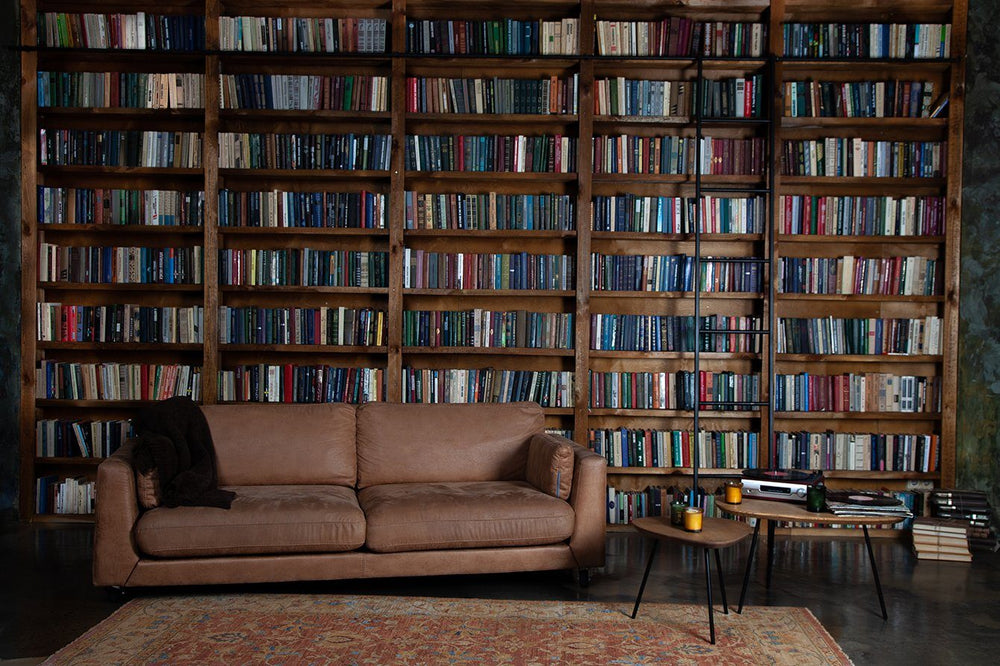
[69, 496]
[941, 539]
[970, 508]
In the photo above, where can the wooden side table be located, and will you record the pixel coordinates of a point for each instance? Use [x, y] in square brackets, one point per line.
[716, 533]
[774, 510]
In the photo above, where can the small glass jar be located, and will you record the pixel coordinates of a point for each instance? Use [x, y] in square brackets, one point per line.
[734, 492]
[677, 513]
[815, 498]
[692, 519]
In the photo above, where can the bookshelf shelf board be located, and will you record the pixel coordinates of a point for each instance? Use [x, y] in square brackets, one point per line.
[120, 171]
[826, 239]
[490, 351]
[820, 123]
[77, 461]
[675, 413]
[857, 416]
[122, 346]
[473, 178]
[89, 404]
[659, 121]
[560, 293]
[291, 289]
[63, 518]
[645, 236]
[58, 113]
[676, 471]
[292, 174]
[710, 295]
[861, 358]
[681, 62]
[85, 286]
[867, 298]
[466, 119]
[868, 475]
[488, 61]
[301, 231]
[884, 182]
[666, 355]
[681, 179]
[490, 233]
[302, 115]
[375, 350]
[118, 229]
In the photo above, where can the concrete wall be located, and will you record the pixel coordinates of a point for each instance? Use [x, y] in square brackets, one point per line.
[979, 375]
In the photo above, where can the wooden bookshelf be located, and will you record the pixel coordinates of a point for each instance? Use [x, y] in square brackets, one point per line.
[629, 124]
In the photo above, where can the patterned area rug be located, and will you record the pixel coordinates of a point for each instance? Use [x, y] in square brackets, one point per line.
[333, 629]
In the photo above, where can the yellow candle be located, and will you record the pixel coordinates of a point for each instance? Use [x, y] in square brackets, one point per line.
[692, 519]
[734, 492]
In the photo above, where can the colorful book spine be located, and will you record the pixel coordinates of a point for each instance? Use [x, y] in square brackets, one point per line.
[59, 380]
[549, 388]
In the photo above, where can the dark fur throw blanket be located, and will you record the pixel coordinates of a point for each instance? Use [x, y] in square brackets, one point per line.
[173, 437]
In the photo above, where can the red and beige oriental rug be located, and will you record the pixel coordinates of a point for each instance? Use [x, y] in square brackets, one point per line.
[335, 629]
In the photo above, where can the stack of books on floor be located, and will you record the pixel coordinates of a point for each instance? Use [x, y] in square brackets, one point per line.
[970, 508]
[941, 539]
[865, 503]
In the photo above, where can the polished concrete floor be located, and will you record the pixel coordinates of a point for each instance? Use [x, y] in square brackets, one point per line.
[939, 613]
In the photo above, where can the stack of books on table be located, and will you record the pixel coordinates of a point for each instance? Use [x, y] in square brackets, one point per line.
[865, 503]
[972, 509]
[941, 539]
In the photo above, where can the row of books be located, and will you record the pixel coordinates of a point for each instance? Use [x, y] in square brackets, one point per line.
[859, 99]
[857, 392]
[620, 96]
[292, 34]
[627, 447]
[69, 496]
[119, 148]
[899, 452]
[730, 391]
[673, 333]
[617, 272]
[867, 40]
[546, 95]
[60, 322]
[303, 267]
[943, 539]
[112, 90]
[82, 205]
[969, 510]
[549, 388]
[488, 328]
[284, 209]
[863, 158]
[302, 326]
[61, 380]
[300, 384]
[862, 215]
[742, 97]
[872, 335]
[144, 31]
[896, 276]
[305, 92]
[443, 270]
[631, 154]
[678, 215]
[120, 265]
[491, 153]
[71, 438]
[624, 506]
[256, 150]
[488, 211]
[492, 37]
[680, 37]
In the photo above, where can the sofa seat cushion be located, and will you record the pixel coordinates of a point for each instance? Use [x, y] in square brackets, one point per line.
[262, 520]
[462, 514]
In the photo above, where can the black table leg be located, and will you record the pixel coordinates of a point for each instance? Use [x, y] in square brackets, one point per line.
[708, 588]
[746, 576]
[722, 581]
[878, 584]
[645, 576]
[770, 552]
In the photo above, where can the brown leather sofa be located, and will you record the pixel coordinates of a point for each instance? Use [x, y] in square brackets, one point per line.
[334, 491]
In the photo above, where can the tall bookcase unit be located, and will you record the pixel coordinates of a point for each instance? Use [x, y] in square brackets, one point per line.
[576, 202]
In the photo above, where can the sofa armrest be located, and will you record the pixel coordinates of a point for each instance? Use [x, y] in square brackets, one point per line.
[115, 553]
[551, 464]
[589, 499]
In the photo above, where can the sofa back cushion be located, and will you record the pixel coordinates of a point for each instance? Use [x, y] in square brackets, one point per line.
[449, 443]
[259, 445]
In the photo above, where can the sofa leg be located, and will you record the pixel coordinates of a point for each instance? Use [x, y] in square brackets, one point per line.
[116, 594]
[584, 577]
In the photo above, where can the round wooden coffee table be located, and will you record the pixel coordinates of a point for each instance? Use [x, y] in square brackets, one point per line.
[716, 533]
[773, 511]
